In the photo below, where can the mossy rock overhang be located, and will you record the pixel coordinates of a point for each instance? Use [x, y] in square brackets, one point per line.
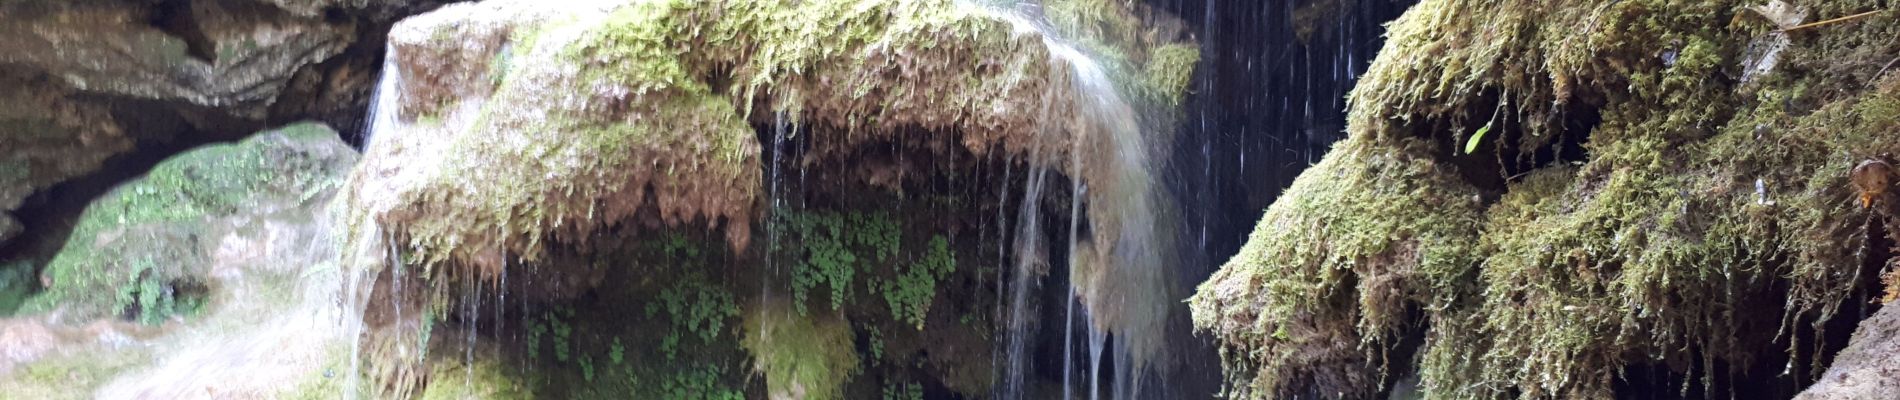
[522, 125]
[1654, 186]
[142, 250]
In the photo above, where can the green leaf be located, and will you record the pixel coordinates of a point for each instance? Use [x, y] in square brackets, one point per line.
[1471, 145]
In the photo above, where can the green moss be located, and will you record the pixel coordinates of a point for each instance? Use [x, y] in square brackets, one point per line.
[16, 284]
[327, 381]
[657, 97]
[1369, 229]
[1698, 198]
[807, 357]
[485, 379]
[1169, 71]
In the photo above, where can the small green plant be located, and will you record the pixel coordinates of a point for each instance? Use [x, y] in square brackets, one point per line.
[694, 306]
[675, 246]
[903, 391]
[587, 368]
[428, 328]
[910, 295]
[563, 334]
[698, 383]
[617, 352]
[877, 344]
[153, 297]
[834, 245]
[535, 330]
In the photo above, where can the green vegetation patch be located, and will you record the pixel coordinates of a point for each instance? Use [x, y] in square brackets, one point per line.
[832, 250]
[801, 356]
[1332, 265]
[915, 287]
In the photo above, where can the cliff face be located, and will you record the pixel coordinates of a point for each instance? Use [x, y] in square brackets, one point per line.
[93, 91]
[1552, 201]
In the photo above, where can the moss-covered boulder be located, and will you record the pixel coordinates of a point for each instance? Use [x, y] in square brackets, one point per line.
[145, 249]
[1551, 200]
[520, 125]
[802, 356]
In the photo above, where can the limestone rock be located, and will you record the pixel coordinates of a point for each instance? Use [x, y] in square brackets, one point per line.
[49, 136]
[84, 82]
[230, 54]
[1869, 368]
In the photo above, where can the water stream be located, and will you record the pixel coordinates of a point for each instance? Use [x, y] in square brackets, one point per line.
[358, 283]
[1118, 287]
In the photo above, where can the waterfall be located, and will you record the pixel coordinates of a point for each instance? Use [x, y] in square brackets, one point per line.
[1116, 271]
[1119, 291]
[359, 280]
[383, 99]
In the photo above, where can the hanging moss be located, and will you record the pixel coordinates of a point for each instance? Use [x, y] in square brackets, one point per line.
[801, 356]
[1333, 266]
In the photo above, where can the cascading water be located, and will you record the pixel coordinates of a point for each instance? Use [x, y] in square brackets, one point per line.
[356, 293]
[1116, 277]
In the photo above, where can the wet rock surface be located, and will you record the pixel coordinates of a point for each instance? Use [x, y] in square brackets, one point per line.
[1869, 368]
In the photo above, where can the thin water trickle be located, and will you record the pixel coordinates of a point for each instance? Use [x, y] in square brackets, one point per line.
[1029, 262]
[353, 303]
[501, 299]
[360, 279]
[1098, 341]
[1068, 348]
[474, 300]
[774, 207]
